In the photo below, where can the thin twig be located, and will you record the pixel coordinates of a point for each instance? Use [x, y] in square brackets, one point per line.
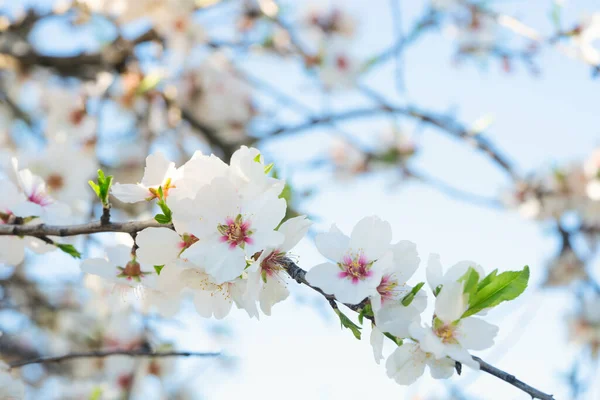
[110, 353]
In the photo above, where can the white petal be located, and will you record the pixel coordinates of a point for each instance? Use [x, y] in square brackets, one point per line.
[406, 260]
[451, 302]
[333, 244]
[460, 354]
[459, 269]
[28, 209]
[326, 277]
[294, 229]
[100, 267]
[396, 319]
[442, 368]
[118, 255]
[406, 364]
[434, 272]
[272, 293]
[376, 339]
[476, 334]
[372, 235]
[130, 193]
[157, 246]
[428, 341]
[158, 168]
[12, 250]
[203, 303]
[263, 239]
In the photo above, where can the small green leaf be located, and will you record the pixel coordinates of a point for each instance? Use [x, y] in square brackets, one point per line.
[158, 268]
[149, 82]
[160, 193]
[96, 394]
[347, 323]
[95, 188]
[162, 219]
[504, 287]
[69, 249]
[268, 168]
[471, 279]
[257, 158]
[437, 290]
[366, 311]
[394, 339]
[487, 280]
[406, 300]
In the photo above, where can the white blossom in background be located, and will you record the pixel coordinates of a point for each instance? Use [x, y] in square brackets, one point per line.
[68, 119]
[588, 39]
[158, 172]
[338, 67]
[121, 268]
[10, 387]
[347, 159]
[219, 98]
[566, 268]
[357, 262]
[584, 327]
[267, 281]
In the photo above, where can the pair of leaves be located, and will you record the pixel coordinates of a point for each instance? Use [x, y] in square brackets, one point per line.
[167, 216]
[347, 323]
[493, 289]
[102, 188]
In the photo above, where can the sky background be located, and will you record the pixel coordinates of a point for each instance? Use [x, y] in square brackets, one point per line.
[300, 352]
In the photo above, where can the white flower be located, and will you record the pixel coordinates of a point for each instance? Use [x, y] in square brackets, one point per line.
[587, 40]
[437, 277]
[120, 267]
[67, 116]
[339, 68]
[390, 314]
[565, 268]
[161, 246]
[13, 204]
[407, 363]
[266, 282]
[247, 171]
[358, 260]
[158, 172]
[10, 387]
[66, 169]
[230, 228]
[450, 335]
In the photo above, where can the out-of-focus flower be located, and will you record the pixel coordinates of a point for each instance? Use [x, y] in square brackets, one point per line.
[565, 268]
[584, 327]
[587, 39]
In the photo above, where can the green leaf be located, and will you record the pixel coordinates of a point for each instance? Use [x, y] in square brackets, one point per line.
[158, 268]
[347, 323]
[69, 249]
[162, 219]
[504, 287]
[268, 168]
[95, 188]
[406, 300]
[366, 311]
[160, 193]
[471, 279]
[437, 290]
[394, 339]
[257, 158]
[96, 394]
[487, 280]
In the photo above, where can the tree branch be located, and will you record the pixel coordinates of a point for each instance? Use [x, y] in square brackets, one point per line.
[109, 353]
[293, 270]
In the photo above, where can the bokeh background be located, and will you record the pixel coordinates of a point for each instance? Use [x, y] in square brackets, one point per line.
[223, 73]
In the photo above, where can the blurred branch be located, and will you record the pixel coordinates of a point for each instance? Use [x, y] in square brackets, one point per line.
[444, 123]
[103, 354]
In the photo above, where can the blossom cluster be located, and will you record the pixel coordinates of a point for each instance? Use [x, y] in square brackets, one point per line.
[225, 242]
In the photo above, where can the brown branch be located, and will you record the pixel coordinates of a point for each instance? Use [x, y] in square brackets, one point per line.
[293, 270]
[109, 353]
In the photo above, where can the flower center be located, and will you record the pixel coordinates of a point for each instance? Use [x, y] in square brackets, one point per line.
[355, 267]
[272, 264]
[387, 288]
[342, 63]
[446, 332]
[55, 182]
[132, 271]
[166, 186]
[236, 232]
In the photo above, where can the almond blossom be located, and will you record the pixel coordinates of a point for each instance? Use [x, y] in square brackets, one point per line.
[120, 267]
[230, 228]
[266, 277]
[161, 246]
[357, 262]
[451, 335]
[159, 172]
[407, 363]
